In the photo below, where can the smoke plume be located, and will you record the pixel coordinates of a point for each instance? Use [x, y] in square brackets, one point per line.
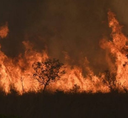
[68, 27]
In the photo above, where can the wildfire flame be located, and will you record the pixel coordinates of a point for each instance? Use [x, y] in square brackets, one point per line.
[4, 31]
[17, 73]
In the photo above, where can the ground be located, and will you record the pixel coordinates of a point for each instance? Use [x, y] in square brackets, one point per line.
[60, 105]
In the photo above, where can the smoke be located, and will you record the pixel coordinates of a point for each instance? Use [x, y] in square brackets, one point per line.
[63, 26]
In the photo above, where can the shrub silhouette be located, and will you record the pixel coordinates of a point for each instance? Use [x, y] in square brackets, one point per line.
[47, 71]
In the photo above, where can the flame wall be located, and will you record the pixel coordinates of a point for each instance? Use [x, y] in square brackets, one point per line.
[69, 31]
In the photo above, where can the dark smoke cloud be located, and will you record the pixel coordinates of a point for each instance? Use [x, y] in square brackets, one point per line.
[72, 26]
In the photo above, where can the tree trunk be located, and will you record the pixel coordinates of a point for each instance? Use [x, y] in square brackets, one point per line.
[46, 84]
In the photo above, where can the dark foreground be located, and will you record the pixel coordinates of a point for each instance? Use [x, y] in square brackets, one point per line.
[60, 105]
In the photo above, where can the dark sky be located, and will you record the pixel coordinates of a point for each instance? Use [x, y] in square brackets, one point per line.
[72, 26]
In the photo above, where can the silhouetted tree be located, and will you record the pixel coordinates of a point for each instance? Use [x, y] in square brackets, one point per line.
[47, 71]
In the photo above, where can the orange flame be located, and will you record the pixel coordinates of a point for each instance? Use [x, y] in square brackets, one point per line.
[4, 31]
[118, 48]
[17, 73]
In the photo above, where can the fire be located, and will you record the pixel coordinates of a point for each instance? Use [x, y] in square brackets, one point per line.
[118, 48]
[4, 31]
[17, 73]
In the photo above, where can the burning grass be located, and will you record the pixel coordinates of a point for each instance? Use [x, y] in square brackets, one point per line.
[18, 73]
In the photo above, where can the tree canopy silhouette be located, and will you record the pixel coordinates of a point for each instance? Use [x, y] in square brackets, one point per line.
[47, 71]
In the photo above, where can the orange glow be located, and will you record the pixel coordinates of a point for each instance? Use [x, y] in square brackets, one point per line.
[118, 48]
[17, 73]
[4, 31]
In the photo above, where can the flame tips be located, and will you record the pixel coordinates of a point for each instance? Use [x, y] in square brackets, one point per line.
[18, 73]
[4, 31]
